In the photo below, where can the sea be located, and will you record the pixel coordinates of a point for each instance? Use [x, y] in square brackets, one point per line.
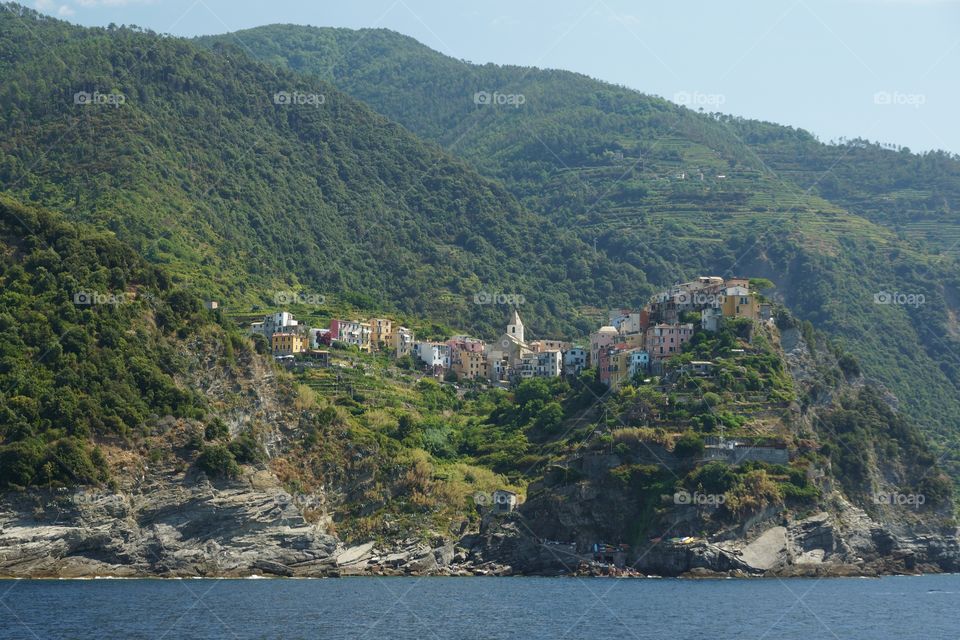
[890, 608]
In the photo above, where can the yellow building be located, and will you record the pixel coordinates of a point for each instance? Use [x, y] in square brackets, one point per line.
[287, 344]
[738, 302]
[619, 368]
[633, 340]
[471, 365]
[381, 333]
[402, 341]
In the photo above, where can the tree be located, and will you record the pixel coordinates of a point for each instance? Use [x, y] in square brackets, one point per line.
[688, 445]
[550, 418]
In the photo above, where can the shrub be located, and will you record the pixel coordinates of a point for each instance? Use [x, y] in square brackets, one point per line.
[246, 449]
[217, 460]
[688, 445]
[711, 399]
[714, 477]
[216, 430]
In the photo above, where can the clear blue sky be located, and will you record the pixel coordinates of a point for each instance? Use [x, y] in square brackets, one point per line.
[816, 64]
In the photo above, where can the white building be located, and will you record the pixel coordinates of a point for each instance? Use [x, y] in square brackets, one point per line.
[505, 501]
[354, 333]
[574, 361]
[433, 354]
[280, 322]
[548, 364]
[639, 361]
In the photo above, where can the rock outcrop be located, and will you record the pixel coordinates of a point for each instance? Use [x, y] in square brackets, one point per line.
[165, 529]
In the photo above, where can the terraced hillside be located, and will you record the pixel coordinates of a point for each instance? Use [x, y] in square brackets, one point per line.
[677, 193]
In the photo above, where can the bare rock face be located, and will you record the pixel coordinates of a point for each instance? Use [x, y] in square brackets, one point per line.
[844, 543]
[164, 529]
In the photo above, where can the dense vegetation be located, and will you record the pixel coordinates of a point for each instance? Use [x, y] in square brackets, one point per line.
[88, 334]
[201, 171]
[679, 193]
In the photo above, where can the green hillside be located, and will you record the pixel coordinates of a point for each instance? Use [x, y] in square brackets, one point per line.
[678, 193]
[200, 170]
[90, 338]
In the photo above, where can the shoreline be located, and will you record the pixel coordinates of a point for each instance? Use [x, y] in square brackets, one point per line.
[842, 573]
[448, 577]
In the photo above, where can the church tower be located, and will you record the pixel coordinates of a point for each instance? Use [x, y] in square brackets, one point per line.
[515, 326]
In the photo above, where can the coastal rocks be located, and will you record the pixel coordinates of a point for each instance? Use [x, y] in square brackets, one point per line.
[767, 551]
[168, 529]
[355, 555]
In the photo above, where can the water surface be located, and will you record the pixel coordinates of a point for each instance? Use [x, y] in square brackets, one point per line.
[894, 608]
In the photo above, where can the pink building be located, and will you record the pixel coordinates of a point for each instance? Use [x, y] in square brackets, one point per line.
[465, 343]
[600, 340]
[665, 340]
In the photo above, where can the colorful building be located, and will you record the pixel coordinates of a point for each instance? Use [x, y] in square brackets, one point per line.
[738, 302]
[403, 341]
[665, 340]
[288, 344]
[470, 365]
[381, 333]
[601, 339]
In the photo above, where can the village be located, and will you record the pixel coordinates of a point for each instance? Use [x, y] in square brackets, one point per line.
[633, 346]
[633, 342]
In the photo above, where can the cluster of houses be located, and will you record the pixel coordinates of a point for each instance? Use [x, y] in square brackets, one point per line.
[505, 360]
[287, 337]
[632, 342]
[640, 341]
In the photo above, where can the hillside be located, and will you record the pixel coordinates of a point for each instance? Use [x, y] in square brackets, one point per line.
[675, 192]
[91, 342]
[197, 168]
[215, 461]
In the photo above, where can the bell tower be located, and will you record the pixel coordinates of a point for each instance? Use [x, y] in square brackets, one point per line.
[515, 326]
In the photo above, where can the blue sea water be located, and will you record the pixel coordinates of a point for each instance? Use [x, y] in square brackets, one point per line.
[898, 608]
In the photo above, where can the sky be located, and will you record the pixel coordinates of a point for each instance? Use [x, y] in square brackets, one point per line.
[885, 70]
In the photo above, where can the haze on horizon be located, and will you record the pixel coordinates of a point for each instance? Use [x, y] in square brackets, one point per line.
[876, 69]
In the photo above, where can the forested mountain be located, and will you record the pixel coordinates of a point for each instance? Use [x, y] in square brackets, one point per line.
[201, 166]
[676, 193]
[89, 348]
